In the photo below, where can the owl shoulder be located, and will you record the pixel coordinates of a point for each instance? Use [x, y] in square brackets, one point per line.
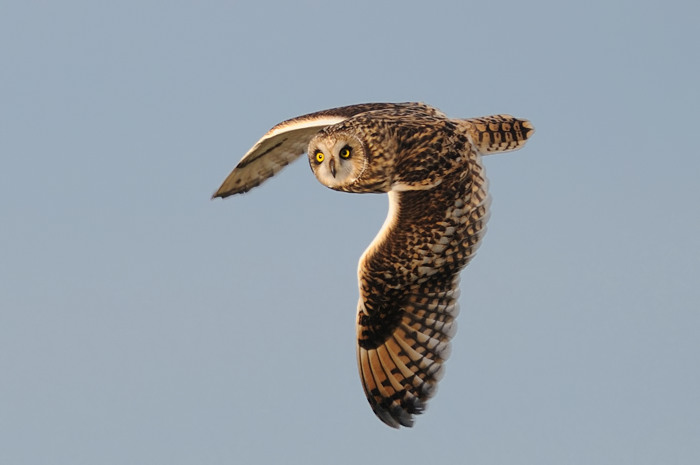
[427, 153]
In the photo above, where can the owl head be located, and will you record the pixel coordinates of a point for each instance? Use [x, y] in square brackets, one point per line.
[337, 159]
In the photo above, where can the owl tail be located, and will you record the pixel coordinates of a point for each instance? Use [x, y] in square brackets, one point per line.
[498, 133]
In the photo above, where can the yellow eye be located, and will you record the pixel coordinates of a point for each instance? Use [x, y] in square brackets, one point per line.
[319, 157]
[345, 152]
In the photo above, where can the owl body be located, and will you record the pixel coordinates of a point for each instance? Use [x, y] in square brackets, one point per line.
[395, 151]
[431, 168]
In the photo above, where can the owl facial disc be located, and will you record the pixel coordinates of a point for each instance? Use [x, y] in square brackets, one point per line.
[336, 161]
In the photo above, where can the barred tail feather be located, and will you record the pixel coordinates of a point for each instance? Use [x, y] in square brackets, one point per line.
[497, 133]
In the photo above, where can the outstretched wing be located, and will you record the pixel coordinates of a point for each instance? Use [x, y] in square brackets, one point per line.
[284, 143]
[409, 289]
[402, 347]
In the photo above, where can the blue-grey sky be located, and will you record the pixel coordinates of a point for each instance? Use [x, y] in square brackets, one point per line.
[143, 323]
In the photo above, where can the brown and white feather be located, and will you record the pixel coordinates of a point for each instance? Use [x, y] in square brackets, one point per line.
[430, 166]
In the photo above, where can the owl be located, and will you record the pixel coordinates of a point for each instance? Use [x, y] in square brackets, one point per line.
[430, 167]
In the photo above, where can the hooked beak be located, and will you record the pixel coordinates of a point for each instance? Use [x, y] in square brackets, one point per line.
[331, 165]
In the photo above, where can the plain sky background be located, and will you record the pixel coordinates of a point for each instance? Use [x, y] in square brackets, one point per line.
[143, 323]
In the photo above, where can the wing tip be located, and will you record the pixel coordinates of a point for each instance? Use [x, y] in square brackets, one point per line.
[234, 184]
[224, 192]
[397, 416]
[401, 414]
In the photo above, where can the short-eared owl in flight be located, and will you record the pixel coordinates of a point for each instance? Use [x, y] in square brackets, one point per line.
[430, 166]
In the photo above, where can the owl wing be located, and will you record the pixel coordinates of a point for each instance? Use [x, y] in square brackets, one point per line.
[287, 141]
[402, 347]
[408, 281]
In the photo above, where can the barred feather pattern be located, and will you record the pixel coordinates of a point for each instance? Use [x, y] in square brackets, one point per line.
[409, 288]
[498, 133]
[430, 166]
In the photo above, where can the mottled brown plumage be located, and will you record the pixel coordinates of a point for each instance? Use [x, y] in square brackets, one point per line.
[408, 277]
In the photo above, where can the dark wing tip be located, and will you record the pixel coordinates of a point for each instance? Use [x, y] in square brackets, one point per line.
[398, 415]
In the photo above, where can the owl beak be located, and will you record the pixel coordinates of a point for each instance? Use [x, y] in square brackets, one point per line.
[331, 165]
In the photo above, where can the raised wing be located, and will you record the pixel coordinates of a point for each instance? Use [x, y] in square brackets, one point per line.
[286, 142]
